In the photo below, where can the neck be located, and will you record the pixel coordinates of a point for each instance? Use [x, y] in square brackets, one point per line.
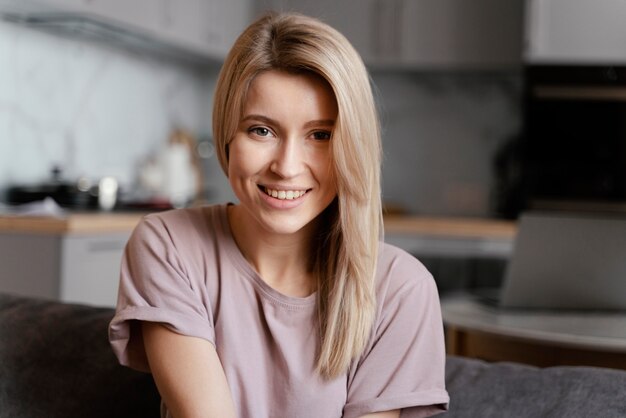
[282, 261]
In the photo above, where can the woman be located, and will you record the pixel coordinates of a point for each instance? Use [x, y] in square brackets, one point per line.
[286, 304]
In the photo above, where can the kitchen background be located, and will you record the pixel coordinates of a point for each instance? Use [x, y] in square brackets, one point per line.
[93, 109]
[98, 109]
[114, 88]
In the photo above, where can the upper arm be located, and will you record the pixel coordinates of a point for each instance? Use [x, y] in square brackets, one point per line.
[159, 282]
[188, 373]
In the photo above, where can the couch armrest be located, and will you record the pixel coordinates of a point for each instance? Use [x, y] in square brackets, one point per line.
[55, 361]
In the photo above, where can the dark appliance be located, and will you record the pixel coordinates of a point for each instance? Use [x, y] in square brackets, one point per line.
[67, 194]
[572, 151]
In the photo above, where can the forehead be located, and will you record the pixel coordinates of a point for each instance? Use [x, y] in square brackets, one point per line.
[274, 89]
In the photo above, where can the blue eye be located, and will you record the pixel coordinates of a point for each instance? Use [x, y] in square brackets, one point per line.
[321, 135]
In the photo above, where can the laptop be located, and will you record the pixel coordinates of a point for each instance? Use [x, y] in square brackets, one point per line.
[567, 261]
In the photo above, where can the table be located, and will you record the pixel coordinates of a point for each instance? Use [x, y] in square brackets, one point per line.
[538, 337]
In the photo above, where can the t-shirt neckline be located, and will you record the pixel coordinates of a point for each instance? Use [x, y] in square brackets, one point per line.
[244, 267]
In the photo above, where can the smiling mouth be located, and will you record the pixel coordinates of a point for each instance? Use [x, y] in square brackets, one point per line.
[283, 194]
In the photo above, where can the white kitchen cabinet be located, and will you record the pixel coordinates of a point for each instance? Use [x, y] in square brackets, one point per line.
[575, 31]
[70, 268]
[199, 28]
[230, 19]
[209, 26]
[424, 34]
[90, 268]
[142, 14]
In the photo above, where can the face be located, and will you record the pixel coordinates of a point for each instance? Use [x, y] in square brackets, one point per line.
[280, 157]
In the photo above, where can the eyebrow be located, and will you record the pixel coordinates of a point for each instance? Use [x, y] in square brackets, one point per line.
[309, 124]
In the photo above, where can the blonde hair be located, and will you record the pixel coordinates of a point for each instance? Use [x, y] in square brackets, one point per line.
[347, 245]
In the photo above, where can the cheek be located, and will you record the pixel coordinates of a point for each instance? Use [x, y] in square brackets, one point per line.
[239, 174]
[325, 169]
[240, 162]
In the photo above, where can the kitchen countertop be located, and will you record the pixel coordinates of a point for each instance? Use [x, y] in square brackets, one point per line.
[451, 237]
[75, 223]
[450, 227]
[109, 222]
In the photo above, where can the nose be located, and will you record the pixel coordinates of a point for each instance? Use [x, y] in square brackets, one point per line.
[289, 159]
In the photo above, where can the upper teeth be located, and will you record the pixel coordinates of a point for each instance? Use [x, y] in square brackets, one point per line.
[285, 194]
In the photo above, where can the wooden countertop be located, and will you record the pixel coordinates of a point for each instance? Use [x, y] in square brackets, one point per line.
[89, 223]
[75, 223]
[450, 227]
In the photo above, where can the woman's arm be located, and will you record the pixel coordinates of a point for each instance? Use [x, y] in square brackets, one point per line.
[188, 373]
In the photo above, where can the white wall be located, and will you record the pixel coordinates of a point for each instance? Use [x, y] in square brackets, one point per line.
[94, 109]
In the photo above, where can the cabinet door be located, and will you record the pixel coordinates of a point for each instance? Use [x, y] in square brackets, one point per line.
[439, 34]
[205, 28]
[577, 31]
[90, 267]
[187, 24]
[142, 15]
[29, 265]
[477, 34]
[228, 20]
[357, 20]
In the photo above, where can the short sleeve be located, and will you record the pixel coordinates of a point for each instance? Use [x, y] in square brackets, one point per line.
[155, 286]
[404, 364]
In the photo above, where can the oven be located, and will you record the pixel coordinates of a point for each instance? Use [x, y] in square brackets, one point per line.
[573, 147]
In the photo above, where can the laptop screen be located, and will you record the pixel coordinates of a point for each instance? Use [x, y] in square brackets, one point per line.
[567, 261]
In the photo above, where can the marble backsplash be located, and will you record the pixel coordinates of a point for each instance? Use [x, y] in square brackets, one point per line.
[441, 133]
[99, 110]
[94, 110]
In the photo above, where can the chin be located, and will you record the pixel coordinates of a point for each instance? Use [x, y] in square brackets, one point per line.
[283, 226]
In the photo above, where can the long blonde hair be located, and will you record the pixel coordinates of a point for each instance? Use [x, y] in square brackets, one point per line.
[347, 244]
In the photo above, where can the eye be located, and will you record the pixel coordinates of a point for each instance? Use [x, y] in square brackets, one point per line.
[321, 135]
[260, 131]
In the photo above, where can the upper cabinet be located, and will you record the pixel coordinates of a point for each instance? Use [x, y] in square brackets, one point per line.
[575, 31]
[476, 34]
[207, 26]
[424, 34]
[193, 28]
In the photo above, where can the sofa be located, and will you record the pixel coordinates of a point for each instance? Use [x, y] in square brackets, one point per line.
[55, 362]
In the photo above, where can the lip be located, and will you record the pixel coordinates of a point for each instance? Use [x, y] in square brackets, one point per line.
[282, 204]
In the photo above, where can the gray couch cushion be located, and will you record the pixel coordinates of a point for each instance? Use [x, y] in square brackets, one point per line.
[480, 389]
[55, 361]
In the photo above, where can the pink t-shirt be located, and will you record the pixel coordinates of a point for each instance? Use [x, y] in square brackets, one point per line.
[183, 268]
